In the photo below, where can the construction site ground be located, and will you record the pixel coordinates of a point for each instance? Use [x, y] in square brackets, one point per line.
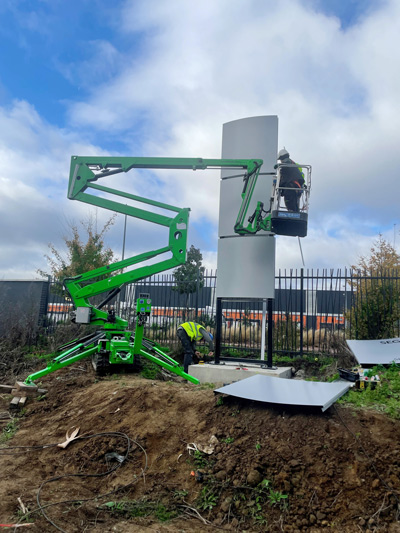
[271, 468]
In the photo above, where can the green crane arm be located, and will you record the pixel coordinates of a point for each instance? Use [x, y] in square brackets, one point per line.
[85, 173]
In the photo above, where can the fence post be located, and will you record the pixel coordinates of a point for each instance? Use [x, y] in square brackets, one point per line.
[263, 327]
[218, 331]
[301, 309]
[270, 336]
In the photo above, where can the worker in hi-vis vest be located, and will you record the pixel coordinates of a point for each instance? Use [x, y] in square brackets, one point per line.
[189, 333]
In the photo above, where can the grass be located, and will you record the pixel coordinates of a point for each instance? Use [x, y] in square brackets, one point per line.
[319, 361]
[206, 386]
[142, 508]
[150, 370]
[384, 398]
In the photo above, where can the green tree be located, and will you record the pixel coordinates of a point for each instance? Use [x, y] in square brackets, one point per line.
[189, 277]
[81, 256]
[375, 313]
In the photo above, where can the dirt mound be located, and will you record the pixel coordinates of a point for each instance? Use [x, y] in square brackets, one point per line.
[271, 468]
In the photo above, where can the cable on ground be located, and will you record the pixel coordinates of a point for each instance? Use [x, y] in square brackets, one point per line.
[41, 507]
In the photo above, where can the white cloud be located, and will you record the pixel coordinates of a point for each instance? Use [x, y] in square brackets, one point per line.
[34, 209]
[335, 91]
[199, 65]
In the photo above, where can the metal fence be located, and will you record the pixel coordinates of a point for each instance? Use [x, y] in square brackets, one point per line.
[313, 310]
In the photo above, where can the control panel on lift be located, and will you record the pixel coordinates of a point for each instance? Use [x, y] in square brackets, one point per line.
[143, 304]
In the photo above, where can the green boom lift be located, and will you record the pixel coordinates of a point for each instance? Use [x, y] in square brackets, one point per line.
[112, 344]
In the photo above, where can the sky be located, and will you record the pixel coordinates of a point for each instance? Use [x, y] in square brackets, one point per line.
[160, 78]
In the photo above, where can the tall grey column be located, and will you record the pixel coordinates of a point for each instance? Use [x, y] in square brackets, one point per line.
[246, 264]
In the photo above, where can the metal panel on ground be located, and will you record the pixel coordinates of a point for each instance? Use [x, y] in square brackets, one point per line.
[376, 352]
[287, 391]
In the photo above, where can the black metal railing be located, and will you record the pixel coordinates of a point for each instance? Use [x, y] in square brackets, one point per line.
[313, 310]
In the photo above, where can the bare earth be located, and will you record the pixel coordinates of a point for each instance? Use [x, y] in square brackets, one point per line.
[337, 478]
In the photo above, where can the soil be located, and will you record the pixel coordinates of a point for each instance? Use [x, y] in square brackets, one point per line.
[271, 468]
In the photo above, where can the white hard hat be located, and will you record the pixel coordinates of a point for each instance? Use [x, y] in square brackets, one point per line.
[283, 154]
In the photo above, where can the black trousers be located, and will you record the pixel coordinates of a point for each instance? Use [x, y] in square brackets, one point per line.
[292, 197]
[189, 349]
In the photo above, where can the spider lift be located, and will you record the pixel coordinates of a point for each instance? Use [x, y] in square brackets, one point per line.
[112, 344]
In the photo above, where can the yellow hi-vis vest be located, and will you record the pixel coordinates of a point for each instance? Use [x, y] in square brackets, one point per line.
[193, 330]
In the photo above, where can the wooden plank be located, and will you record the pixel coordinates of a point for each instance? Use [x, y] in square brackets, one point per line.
[6, 389]
[14, 404]
[26, 392]
[21, 389]
[20, 385]
[22, 401]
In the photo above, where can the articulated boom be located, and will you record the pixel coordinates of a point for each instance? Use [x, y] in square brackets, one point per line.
[112, 345]
[85, 173]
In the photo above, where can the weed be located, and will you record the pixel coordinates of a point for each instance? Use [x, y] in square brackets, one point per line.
[115, 506]
[24, 516]
[207, 499]
[265, 483]
[164, 514]
[258, 446]
[150, 370]
[228, 440]
[199, 459]
[275, 497]
[220, 401]
[9, 431]
[180, 494]
[263, 494]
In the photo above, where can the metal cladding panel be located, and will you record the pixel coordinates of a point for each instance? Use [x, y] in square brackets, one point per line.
[253, 137]
[376, 352]
[287, 391]
[246, 267]
[246, 264]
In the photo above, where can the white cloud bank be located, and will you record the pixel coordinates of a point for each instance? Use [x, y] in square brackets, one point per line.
[202, 64]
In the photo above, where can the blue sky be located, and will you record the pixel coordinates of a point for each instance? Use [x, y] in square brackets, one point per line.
[151, 78]
[52, 49]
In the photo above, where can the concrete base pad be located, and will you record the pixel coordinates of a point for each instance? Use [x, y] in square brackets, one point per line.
[230, 372]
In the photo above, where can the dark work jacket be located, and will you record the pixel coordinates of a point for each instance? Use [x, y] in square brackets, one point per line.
[291, 175]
